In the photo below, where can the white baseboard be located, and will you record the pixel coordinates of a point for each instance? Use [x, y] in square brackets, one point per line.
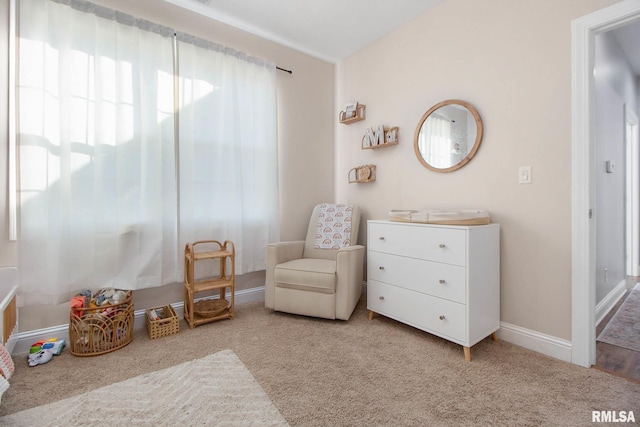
[536, 341]
[532, 340]
[604, 307]
[24, 340]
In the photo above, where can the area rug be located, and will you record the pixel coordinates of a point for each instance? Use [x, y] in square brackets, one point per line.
[215, 390]
[623, 330]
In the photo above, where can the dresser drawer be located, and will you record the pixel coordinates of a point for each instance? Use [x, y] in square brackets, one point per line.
[439, 244]
[444, 318]
[442, 280]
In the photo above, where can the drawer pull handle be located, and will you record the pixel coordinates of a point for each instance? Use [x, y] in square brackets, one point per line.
[441, 317]
[442, 246]
[381, 268]
[442, 281]
[381, 237]
[381, 298]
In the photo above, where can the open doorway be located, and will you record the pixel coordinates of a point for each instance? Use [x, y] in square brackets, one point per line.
[616, 70]
[583, 287]
[617, 347]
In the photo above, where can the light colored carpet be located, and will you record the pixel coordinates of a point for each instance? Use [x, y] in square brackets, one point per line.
[215, 390]
[623, 330]
[356, 373]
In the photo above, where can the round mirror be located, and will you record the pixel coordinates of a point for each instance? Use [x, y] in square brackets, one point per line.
[448, 135]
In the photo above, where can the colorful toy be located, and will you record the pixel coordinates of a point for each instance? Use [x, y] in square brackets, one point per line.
[43, 351]
[40, 358]
[54, 345]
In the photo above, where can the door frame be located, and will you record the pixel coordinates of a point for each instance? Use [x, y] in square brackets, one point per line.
[631, 193]
[583, 217]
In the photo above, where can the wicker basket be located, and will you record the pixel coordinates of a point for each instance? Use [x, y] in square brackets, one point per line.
[210, 307]
[95, 331]
[167, 323]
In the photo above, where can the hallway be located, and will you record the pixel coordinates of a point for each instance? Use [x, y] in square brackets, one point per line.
[617, 360]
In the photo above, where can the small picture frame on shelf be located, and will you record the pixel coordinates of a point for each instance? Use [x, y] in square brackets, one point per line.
[350, 110]
[353, 112]
[391, 135]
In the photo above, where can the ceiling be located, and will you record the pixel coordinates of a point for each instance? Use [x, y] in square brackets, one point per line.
[327, 29]
[334, 29]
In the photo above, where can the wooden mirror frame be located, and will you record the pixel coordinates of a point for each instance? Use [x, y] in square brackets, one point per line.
[476, 144]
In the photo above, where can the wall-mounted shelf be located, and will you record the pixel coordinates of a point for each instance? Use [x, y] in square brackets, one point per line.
[359, 115]
[390, 138]
[360, 174]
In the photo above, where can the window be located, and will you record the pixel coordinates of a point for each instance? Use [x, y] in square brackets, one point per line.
[112, 182]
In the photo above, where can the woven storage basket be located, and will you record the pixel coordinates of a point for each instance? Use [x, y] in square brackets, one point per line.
[167, 324]
[95, 331]
[210, 307]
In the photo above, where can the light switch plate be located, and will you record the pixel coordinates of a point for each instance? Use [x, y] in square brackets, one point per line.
[524, 175]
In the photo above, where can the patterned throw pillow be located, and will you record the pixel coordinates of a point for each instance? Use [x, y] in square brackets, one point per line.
[334, 226]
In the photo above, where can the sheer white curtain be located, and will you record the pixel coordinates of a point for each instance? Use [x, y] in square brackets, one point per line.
[96, 145]
[435, 141]
[227, 149]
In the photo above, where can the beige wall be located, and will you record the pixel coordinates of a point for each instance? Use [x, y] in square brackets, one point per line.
[305, 139]
[512, 61]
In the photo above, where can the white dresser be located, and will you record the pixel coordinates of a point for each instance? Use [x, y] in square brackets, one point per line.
[442, 279]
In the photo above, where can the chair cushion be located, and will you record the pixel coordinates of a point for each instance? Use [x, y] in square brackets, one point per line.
[309, 274]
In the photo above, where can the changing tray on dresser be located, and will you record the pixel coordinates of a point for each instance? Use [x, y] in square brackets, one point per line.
[444, 280]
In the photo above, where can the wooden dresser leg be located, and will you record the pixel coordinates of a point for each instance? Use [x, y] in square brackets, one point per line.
[371, 314]
[467, 353]
[494, 336]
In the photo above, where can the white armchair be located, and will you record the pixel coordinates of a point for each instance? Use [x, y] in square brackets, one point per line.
[322, 275]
